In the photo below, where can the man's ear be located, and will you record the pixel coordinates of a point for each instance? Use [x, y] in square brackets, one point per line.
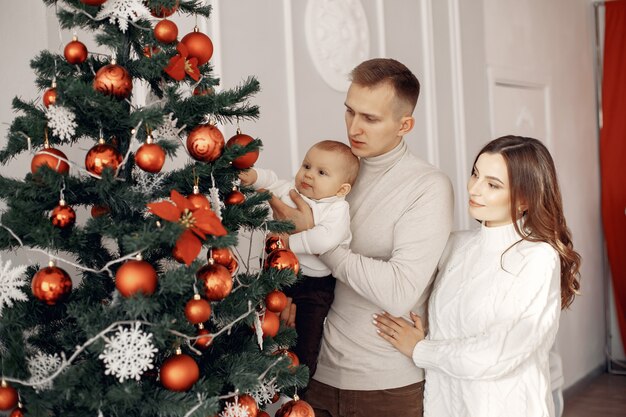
[406, 125]
[344, 190]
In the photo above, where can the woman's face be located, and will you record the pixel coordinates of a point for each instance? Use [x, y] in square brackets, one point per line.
[489, 191]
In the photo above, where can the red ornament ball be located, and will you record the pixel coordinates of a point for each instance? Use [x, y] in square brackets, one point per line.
[179, 372]
[282, 259]
[63, 216]
[149, 50]
[272, 243]
[113, 80]
[18, 412]
[42, 158]
[199, 201]
[205, 341]
[75, 52]
[216, 280]
[224, 257]
[198, 46]
[50, 97]
[166, 31]
[200, 91]
[161, 11]
[136, 276]
[276, 301]
[270, 323]
[248, 159]
[234, 198]
[246, 401]
[150, 157]
[99, 210]
[262, 414]
[205, 143]
[93, 2]
[8, 397]
[197, 310]
[295, 408]
[102, 156]
[295, 361]
[51, 285]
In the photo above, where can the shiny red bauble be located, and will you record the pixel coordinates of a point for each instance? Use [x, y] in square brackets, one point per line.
[43, 157]
[248, 159]
[75, 52]
[150, 157]
[234, 198]
[205, 143]
[282, 259]
[246, 401]
[113, 80]
[197, 310]
[276, 301]
[50, 97]
[295, 408]
[51, 285]
[63, 216]
[270, 323]
[166, 31]
[8, 397]
[134, 277]
[216, 281]
[198, 46]
[161, 11]
[93, 2]
[179, 372]
[102, 156]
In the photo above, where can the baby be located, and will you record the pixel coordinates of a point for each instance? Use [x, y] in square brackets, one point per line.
[325, 177]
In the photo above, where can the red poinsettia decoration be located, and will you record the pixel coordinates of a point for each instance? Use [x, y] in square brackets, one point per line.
[179, 65]
[198, 224]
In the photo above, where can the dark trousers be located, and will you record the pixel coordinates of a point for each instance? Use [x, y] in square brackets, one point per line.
[313, 297]
[329, 401]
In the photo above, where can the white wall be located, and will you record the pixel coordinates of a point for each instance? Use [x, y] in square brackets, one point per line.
[450, 45]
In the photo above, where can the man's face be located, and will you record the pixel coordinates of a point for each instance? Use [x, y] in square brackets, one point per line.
[373, 119]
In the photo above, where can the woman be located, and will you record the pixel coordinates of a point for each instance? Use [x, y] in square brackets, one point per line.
[495, 305]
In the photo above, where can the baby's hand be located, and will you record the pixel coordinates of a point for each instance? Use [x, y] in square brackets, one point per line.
[248, 177]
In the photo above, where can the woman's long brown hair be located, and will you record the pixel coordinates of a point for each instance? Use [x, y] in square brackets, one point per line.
[534, 186]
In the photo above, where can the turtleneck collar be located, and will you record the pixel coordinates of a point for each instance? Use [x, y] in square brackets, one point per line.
[386, 160]
[499, 238]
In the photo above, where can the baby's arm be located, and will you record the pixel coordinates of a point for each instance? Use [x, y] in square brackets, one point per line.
[329, 232]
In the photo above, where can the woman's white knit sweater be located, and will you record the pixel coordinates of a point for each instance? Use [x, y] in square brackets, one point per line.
[493, 315]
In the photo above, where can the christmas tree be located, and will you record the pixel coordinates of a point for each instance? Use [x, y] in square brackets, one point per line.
[164, 316]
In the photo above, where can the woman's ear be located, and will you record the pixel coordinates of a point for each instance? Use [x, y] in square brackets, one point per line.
[344, 190]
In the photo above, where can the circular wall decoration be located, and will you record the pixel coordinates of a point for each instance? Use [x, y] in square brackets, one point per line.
[337, 37]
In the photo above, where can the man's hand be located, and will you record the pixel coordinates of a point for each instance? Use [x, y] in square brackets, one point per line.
[288, 315]
[301, 216]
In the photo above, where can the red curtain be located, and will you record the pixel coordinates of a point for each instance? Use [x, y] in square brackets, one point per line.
[613, 151]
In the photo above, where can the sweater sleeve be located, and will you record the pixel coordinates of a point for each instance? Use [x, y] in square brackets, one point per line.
[328, 232]
[507, 344]
[419, 237]
[267, 179]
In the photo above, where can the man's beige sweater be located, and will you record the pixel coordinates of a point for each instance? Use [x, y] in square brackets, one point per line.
[401, 209]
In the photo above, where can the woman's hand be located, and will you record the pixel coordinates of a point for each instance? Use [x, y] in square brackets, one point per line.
[402, 334]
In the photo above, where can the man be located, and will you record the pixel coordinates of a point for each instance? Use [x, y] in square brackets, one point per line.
[401, 216]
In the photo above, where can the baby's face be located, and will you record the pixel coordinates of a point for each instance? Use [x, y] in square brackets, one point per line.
[321, 174]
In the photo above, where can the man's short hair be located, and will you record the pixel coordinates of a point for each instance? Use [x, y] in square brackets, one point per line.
[375, 71]
[350, 161]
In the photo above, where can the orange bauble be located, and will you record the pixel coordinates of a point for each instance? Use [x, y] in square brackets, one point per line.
[102, 156]
[205, 143]
[150, 157]
[235, 197]
[200, 91]
[42, 158]
[93, 2]
[136, 277]
[18, 412]
[50, 97]
[199, 201]
[282, 259]
[276, 301]
[113, 80]
[205, 340]
[224, 257]
[248, 159]
[166, 31]
[295, 361]
[272, 243]
[270, 324]
[148, 51]
[8, 397]
[295, 408]
[161, 11]
[250, 404]
[262, 414]
[216, 280]
[179, 372]
[51, 284]
[99, 210]
[198, 46]
[197, 310]
[63, 216]
[75, 52]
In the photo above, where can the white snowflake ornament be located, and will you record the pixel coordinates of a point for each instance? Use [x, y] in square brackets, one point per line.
[129, 353]
[148, 184]
[123, 11]
[264, 392]
[11, 282]
[168, 129]
[41, 366]
[235, 410]
[62, 121]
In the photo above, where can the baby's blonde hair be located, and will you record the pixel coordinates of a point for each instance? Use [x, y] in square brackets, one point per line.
[351, 162]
